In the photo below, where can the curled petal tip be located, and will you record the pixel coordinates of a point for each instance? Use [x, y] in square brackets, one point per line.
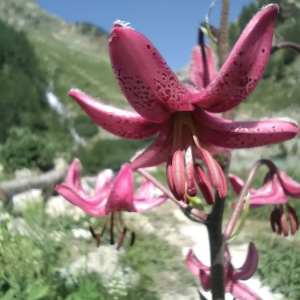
[249, 267]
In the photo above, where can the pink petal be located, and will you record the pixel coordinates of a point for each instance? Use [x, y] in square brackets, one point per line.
[270, 193]
[197, 74]
[158, 152]
[205, 279]
[144, 204]
[74, 175]
[120, 122]
[290, 185]
[121, 195]
[237, 184]
[92, 205]
[146, 80]
[245, 65]
[146, 190]
[249, 267]
[241, 292]
[194, 264]
[235, 135]
[104, 181]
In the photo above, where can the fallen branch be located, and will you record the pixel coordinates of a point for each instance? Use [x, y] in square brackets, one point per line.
[16, 186]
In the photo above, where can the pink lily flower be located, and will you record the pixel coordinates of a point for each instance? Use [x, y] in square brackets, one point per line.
[232, 276]
[183, 114]
[274, 191]
[112, 195]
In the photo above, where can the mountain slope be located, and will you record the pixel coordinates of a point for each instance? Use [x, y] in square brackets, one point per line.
[75, 55]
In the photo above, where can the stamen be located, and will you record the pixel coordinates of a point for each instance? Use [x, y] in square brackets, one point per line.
[204, 184]
[121, 239]
[170, 180]
[178, 173]
[191, 188]
[293, 219]
[112, 240]
[132, 238]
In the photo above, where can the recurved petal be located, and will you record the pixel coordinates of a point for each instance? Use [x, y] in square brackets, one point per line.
[73, 178]
[92, 205]
[146, 190]
[202, 72]
[244, 67]
[242, 292]
[236, 135]
[121, 195]
[194, 264]
[290, 185]
[104, 181]
[237, 184]
[146, 80]
[158, 152]
[126, 124]
[143, 204]
[270, 193]
[249, 267]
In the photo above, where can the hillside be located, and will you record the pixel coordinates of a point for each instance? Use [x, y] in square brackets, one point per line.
[75, 55]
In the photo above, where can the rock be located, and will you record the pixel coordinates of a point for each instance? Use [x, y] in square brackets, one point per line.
[79, 233]
[138, 220]
[58, 206]
[60, 164]
[21, 201]
[18, 226]
[105, 262]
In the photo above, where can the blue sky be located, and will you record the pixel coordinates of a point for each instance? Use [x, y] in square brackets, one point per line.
[171, 25]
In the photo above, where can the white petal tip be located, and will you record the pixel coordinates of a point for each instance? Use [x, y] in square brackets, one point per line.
[123, 24]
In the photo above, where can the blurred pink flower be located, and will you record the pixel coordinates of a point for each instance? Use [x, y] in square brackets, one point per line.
[112, 195]
[183, 114]
[232, 276]
[274, 191]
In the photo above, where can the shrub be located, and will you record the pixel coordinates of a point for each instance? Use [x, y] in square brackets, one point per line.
[24, 149]
[85, 127]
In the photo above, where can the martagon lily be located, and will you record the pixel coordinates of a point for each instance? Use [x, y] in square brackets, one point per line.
[113, 194]
[232, 276]
[182, 113]
[277, 186]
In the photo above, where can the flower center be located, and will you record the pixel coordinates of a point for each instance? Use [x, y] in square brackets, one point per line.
[182, 169]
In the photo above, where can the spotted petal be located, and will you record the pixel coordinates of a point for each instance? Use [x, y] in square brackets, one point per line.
[146, 80]
[125, 124]
[245, 65]
[236, 135]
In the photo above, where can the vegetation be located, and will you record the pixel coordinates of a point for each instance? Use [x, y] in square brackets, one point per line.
[108, 154]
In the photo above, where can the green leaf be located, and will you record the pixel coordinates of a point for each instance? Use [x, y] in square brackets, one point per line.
[8, 295]
[243, 219]
[37, 291]
[209, 33]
